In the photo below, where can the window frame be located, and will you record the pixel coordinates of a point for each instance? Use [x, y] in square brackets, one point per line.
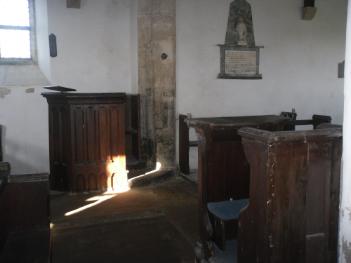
[31, 28]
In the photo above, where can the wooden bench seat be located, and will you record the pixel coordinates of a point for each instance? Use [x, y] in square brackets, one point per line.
[224, 212]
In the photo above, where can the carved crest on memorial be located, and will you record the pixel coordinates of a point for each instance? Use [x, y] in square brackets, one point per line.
[239, 54]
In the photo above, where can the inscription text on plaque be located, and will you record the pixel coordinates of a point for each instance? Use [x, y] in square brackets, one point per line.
[239, 62]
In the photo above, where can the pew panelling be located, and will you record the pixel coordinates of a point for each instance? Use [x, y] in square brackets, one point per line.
[1, 144]
[292, 215]
[24, 223]
[4, 172]
[86, 131]
[223, 171]
[185, 143]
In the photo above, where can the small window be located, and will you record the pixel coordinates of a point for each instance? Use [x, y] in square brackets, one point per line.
[16, 31]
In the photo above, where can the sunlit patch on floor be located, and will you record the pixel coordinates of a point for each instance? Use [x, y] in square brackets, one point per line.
[157, 168]
[96, 201]
[117, 179]
[117, 183]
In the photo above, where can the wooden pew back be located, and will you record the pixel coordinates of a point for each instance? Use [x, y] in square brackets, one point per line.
[24, 219]
[292, 215]
[4, 172]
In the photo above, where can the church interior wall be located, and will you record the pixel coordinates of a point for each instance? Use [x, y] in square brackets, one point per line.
[298, 63]
[97, 52]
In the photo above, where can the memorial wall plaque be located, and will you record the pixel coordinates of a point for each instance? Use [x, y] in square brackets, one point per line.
[239, 55]
[239, 62]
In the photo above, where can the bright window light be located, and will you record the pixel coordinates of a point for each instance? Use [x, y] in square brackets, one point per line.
[14, 12]
[15, 29]
[15, 43]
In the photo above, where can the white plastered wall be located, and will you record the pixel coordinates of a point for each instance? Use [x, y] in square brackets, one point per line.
[93, 44]
[95, 54]
[298, 63]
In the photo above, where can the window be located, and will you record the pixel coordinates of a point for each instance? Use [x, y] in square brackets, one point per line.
[16, 31]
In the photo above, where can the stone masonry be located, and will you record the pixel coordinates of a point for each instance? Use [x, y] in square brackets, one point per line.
[157, 85]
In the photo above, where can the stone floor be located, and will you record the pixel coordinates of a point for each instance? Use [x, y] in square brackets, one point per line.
[157, 223]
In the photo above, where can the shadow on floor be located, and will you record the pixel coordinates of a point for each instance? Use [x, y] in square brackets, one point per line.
[151, 224]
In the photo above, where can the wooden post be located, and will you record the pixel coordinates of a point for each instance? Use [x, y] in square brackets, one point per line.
[0, 143]
[183, 145]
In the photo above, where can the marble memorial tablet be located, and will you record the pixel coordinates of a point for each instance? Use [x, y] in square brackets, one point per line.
[239, 62]
[239, 54]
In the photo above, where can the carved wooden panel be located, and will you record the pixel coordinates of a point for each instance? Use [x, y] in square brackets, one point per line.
[86, 132]
[59, 145]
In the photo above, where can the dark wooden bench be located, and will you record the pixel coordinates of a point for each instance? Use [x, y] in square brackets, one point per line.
[292, 216]
[4, 172]
[24, 217]
[185, 143]
[223, 171]
[1, 154]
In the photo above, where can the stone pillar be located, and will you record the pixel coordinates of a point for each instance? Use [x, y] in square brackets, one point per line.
[345, 206]
[157, 86]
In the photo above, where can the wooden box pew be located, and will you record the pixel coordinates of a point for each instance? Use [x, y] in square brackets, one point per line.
[223, 171]
[1, 154]
[185, 143]
[292, 214]
[4, 172]
[24, 217]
